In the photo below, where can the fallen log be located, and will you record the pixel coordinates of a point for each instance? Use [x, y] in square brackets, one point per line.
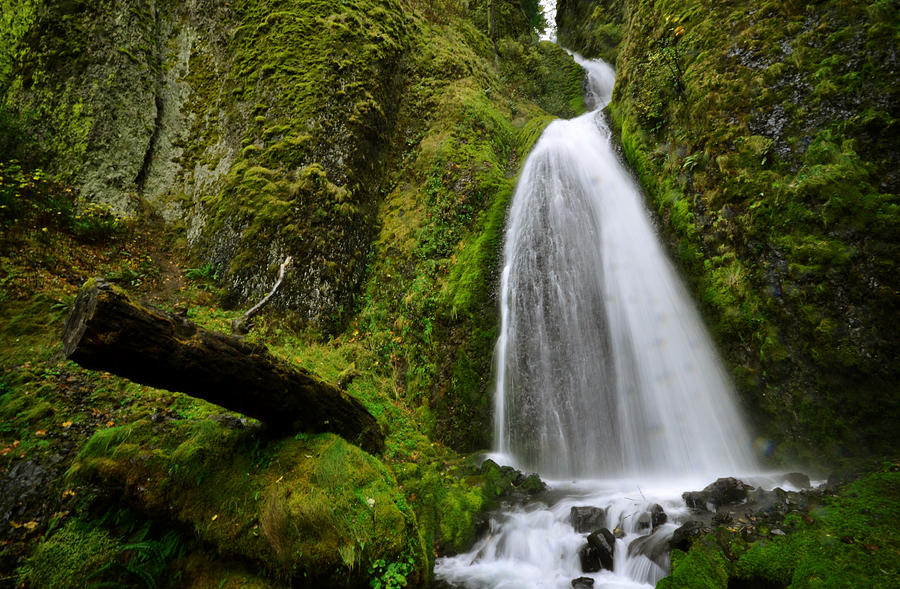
[107, 331]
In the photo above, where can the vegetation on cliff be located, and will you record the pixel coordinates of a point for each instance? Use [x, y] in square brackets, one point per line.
[182, 150]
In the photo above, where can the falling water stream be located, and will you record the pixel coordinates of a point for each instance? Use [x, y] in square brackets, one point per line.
[607, 384]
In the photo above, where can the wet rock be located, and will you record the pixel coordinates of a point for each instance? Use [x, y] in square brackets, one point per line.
[682, 537]
[599, 551]
[654, 546]
[657, 515]
[725, 491]
[530, 484]
[643, 521]
[582, 583]
[797, 480]
[585, 519]
[722, 518]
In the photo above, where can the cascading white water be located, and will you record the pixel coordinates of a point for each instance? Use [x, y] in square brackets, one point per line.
[603, 366]
[604, 372]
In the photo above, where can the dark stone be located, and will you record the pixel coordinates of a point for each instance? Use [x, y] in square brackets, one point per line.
[725, 491]
[599, 551]
[683, 536]
[797, 480]
[723, 518]
[508, 482]
[695, 500]
[657, 515]
[582, 583]
[590, 560]
[585, 519]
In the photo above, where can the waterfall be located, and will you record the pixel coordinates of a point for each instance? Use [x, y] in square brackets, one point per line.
[604, 371]
[603, 366]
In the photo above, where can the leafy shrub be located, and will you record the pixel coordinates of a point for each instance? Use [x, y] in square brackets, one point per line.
[96, 223]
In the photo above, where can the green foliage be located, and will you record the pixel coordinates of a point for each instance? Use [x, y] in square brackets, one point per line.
[30, 198]
[849, 543]
[325, 509]
[595, 30]
[209, 272]
[16, 17]
[390, 575]
[704, 567]
[117, 549]
[96, 223]
[70, 558]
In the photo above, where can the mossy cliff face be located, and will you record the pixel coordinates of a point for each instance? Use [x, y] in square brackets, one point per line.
[263, 126]
[429, 311]
[765, 136]
[313, 130]
[594, 27]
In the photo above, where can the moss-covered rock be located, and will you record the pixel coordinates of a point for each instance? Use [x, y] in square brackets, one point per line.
[316, 509]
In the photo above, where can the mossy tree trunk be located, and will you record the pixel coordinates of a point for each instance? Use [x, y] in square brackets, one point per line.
[107, 331]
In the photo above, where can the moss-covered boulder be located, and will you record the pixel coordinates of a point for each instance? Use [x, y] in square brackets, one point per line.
[317, 509]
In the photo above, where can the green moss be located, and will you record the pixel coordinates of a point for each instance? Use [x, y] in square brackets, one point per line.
[70, 558]
[316, 506]
[705, 566]
[847, 544]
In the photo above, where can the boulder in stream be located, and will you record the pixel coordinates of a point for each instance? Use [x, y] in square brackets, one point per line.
[798, 480]
[582, 583]
[586, 519]
[599, 551]
[725, 491]
[657, 515]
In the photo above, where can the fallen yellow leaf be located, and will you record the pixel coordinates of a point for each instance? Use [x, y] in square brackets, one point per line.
[215, 517]
[67, 424]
